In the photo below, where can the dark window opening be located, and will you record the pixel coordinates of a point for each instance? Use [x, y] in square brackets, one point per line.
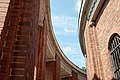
[115, 55]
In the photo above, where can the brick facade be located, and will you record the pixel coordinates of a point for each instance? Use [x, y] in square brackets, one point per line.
[18, 40]
[24, 29]
[97, 39]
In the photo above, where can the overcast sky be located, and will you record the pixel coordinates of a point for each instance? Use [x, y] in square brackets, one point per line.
[64, 15]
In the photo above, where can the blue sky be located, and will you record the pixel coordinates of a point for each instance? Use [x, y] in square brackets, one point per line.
[64, 15]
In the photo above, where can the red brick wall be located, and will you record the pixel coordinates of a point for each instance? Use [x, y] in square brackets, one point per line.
[18, 42]
[31, 16]
[8, 39]
[97, 39]
[108, 24]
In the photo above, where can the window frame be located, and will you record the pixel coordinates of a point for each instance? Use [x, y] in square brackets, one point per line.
[114, 47]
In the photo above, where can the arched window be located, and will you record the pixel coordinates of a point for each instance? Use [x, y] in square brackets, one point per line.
[114, 47]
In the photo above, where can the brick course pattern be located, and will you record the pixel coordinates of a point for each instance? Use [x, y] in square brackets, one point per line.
[97, 38]
[18, 39]
[23, 41]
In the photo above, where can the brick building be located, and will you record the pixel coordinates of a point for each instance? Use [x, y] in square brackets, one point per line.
[28, 48]
[99, 33]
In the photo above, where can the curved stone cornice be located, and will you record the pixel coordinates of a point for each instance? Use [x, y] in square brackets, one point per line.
[57, 48]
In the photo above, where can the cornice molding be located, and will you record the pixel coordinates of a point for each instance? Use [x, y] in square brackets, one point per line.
[50, 60]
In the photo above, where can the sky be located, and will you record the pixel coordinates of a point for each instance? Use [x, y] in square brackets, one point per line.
[64, 14]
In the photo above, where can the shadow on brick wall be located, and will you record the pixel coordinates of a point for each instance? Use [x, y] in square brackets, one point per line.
[95, 77]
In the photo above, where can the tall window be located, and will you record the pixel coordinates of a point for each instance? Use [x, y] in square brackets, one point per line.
[115, 55]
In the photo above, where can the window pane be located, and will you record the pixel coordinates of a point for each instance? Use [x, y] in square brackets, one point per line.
[115, 56]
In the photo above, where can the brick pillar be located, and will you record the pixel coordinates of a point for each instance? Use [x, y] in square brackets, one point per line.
[53, 69]
[94, 54]
[99, 72]
[57, 68]
[91, 64]
[73, 77]
[42, 51]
